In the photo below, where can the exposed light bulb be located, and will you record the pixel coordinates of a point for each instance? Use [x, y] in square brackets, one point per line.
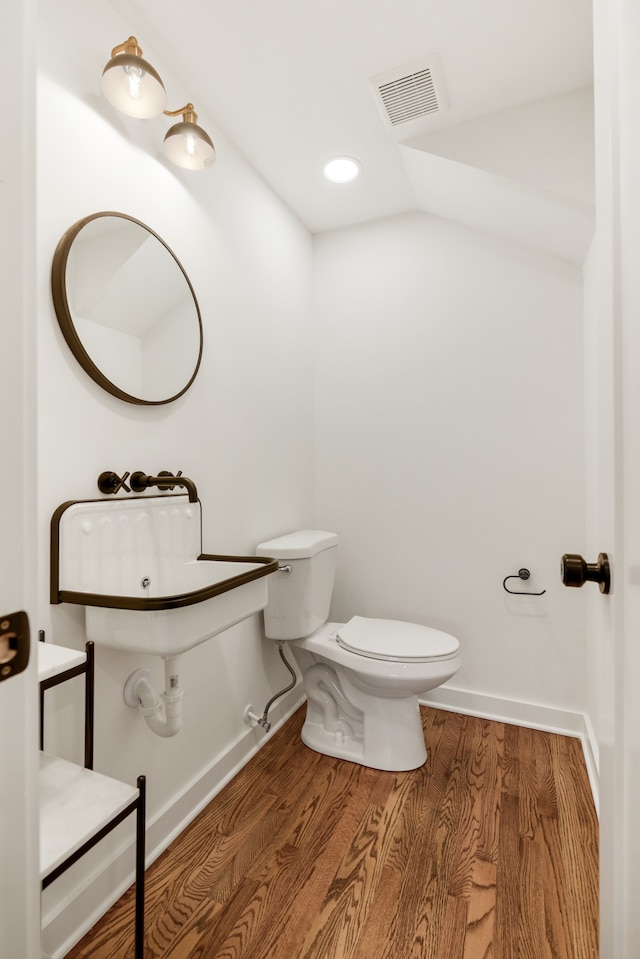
[134, 82]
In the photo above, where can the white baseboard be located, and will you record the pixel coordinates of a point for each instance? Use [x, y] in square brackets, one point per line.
[592, 759]
[87, 900]
[531, 715]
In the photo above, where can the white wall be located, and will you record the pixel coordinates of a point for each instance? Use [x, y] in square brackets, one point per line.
[243, 432]
[449, 445]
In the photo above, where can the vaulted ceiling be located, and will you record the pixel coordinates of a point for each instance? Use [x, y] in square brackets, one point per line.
[289, 82]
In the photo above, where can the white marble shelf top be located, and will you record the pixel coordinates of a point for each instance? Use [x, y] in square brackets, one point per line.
[75, 803]
[53, 659]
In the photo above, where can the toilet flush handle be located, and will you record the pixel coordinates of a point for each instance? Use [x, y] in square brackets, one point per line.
[285, 569]
[576, 571]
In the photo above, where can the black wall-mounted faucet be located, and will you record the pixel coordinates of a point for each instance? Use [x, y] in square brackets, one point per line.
[165, 480]
[110, 483]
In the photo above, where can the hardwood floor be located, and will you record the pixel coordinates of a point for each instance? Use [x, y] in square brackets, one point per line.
[489, 851]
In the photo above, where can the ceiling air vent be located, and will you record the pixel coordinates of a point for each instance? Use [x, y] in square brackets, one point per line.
[410, 92]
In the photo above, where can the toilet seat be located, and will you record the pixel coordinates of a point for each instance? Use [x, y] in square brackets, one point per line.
[396, 641]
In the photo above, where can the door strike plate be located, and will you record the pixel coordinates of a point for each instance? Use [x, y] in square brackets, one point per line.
[14, 644]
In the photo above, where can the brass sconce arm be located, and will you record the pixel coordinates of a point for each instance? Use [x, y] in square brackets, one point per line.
[188, 113]
[129, 46]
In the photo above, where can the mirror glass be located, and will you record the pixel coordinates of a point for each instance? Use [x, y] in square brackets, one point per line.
[127, 309]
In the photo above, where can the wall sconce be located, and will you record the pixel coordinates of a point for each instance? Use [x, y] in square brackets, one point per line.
[133, 87]
[186, 144]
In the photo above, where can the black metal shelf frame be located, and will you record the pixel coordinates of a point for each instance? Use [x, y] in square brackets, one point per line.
[138, 805]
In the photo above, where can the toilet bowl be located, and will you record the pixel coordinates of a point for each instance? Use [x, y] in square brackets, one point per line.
[364, 707]
[362, 678]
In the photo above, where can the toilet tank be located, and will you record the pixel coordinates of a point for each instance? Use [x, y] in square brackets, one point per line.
[299, 600]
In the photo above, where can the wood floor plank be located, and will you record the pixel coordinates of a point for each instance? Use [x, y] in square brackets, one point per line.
[489, 851]
[557, 909]
[579, 847]
[478, 828]
[352, 894]
[549, 840]
[527, 783]
[532, 942]
[454, 929]
[336, 927]
[507, 918]
[421, 903]
[479, 937]
[261, 832]
[319, 837]
[386, 924]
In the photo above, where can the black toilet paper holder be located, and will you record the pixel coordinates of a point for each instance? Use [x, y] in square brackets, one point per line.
[523, 574]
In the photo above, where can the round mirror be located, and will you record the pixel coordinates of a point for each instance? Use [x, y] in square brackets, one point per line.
[127, 309]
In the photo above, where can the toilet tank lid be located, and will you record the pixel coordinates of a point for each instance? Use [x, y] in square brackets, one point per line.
[299, 545]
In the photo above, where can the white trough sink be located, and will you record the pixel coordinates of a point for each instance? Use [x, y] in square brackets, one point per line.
[137, 567]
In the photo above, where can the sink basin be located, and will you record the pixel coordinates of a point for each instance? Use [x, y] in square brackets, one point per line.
[137, 567]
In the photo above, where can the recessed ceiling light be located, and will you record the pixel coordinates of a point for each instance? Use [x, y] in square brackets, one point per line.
[341, 169]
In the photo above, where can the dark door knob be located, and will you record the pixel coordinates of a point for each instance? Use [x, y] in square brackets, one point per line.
[576, 572]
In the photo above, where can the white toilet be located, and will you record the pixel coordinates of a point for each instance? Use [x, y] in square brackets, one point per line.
[362, 678]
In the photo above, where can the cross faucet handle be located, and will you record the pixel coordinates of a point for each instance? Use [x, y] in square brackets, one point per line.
[110, 482]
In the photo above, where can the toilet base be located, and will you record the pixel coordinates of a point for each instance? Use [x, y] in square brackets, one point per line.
[351, 715]
[383, 746]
